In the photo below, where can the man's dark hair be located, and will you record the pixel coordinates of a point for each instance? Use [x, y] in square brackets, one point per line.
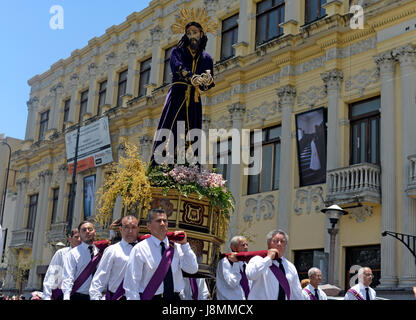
[152, 212]
[184, 42]
[73, 232]
[82, 223]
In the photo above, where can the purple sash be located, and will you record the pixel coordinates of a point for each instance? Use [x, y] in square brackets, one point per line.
[56, 294]
[116, 295]
[194, 288]
[89, 269]
[312, 296]
[159, 274]
[281, 277]
[244, 283]
[356, 294]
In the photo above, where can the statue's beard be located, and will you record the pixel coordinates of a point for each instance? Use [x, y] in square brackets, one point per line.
[194, 44]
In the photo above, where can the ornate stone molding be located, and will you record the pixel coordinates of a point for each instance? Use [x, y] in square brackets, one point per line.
[92, 70]
[110, 59]
[237, 111]
[210, 5]
[32, 104]
[132, 46]
[156, 34]
[74, 78]
[362, 80]
[385, 62]
[263, 112]
[310, 196]
[286, 95]
[312, 96]
[259, 207]
[406, 55]
[332, 79]
[361, 213]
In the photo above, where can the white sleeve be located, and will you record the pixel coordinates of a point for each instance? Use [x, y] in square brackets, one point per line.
[101, 277]
[53, 276]
[68, 275]
[257, 266]
[231, 273]
[187, 258]
[134, 271]
[203, 289]
[296, 288]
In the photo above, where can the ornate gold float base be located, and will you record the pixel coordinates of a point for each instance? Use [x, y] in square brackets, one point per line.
[205, 226]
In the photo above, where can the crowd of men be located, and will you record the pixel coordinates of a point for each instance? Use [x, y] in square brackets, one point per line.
[152, 269]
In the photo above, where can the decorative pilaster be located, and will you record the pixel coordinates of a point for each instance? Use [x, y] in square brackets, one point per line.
[286, 97]
[79, 201]
[386, 63]
[407, 57]
[156, 34]
[92, 72]
[211, 6]
[132, 47]
[237, 111]
[59, 90]
[111, 61]
[45, 178]
[74, 101]
[32, 106]
[22, 185]
[332, 80]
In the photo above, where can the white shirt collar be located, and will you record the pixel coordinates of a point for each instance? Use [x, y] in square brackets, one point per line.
[157, 242]
[362, 287]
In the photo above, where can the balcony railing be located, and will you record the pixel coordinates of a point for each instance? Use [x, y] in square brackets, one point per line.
[359, 181]
[411, 188]
[22, 238]
[57, 232]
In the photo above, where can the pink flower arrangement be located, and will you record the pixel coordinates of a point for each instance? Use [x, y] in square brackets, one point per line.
[205, 178]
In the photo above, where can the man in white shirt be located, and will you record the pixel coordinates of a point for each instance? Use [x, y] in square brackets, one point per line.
[274, 279]
[199, 285]
[110, 271]
[144, 266]
[231, 273]
[362, 290]
[53, 276]
[312, 291]
[76, 261]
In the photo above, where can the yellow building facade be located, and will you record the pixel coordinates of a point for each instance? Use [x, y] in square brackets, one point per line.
[332, 90]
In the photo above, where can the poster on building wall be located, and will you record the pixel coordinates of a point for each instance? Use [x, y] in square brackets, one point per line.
[89, 190]
[94, 146]
[311, 142]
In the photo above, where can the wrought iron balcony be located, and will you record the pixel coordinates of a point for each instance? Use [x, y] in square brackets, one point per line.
[356, 183]
[411, 187]
[22, 238]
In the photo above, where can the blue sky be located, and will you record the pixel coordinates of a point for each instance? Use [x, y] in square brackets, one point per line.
[30, 46]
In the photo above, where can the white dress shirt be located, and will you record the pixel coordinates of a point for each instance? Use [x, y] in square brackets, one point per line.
[144, 260]
[76, 261]
[53, 276]
[203, 292]
[110, 270]
[360, 288]
[265, 285]
[311, 288]
[228, 280]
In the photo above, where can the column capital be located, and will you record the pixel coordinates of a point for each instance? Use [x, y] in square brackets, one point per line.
[92, 70]
[22, 181]
[132, 47]
[332, 79]
[385, 62]
[74, 80]
[286, 95]
[406, 55]
[237, 111]
[111, 59]
[32, 104]
[59, 87]
[156, 34]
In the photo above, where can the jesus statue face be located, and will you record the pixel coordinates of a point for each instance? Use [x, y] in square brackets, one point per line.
[194, 35]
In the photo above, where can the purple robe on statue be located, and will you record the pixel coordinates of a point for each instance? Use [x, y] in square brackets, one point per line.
[180, 104]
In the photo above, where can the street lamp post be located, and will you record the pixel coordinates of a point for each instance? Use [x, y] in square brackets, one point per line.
[334, 213]
[3, 141]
